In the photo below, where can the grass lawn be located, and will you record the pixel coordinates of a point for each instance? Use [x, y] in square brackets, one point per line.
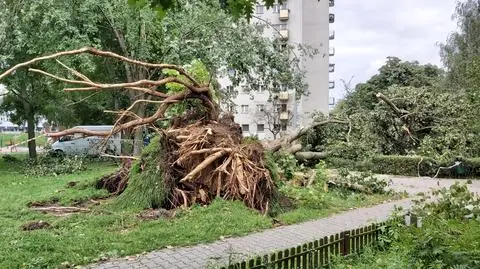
[7, 138]
[107, 231]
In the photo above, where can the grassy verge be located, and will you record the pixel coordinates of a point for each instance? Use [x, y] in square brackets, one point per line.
[6, 139]
[335, 202]
[107, 231]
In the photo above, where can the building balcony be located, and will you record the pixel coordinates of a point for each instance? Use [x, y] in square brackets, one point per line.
[331, 51]
[284, 34]
[284, 116]
[331, 3]
[331, 68]
[283, 96]
[331, 18]
[331, 36]
[331, 84]
[284, 14]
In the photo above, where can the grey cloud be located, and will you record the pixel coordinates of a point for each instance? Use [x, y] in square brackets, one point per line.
[368, 31]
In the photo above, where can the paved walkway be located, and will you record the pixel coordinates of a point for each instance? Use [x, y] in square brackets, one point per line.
[217, 253]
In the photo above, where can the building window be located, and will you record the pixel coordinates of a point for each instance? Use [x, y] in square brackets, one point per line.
[331, 84]
[276, 8]
[331, 18]
[331, 36]
[260, 128]
[331, 51]
[260, 108]
[231, 108]
[244, 109]
[284, 127]
[245, 127]
[331, 3]
[260, 9]
[282, 26]
[331, 68]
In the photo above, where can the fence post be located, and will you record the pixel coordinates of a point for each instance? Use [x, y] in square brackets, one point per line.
[346, 243]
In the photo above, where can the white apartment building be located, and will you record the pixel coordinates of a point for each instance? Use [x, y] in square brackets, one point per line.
[299, 22]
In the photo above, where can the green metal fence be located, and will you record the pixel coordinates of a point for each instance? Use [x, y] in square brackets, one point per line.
[315, 254]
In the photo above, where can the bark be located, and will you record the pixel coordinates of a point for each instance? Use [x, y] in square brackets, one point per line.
[310, 155]
[293, 149]
[398, 111]
[138, 134]
[286, 141]
[32, 146]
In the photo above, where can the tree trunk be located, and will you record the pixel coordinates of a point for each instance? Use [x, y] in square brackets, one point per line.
[286, 141]
[32, 145]
[138, 135]
[309, 155]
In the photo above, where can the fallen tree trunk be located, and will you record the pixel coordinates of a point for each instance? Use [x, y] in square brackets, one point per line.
[311, 155]
[285, 142]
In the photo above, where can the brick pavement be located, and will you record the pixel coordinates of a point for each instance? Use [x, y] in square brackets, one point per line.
[218, 253]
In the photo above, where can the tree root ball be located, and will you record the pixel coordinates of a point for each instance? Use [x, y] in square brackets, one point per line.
[195, 163]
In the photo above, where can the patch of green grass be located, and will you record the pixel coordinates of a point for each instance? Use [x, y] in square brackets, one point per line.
[109, 230]
[334, 202]
[6, 139]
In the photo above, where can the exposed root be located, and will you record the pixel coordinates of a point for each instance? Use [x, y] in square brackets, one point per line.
[210, 161]
[117, 181]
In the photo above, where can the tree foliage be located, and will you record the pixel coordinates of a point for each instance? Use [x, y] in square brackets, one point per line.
[407, 108]
[200, 30]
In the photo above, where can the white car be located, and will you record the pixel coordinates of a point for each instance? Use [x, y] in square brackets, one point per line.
[80, 144]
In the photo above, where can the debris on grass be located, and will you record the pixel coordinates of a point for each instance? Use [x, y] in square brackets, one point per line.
[60, 210]
[35, 225]
[153, 214]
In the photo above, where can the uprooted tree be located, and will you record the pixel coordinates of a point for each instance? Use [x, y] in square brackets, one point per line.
[199, 156]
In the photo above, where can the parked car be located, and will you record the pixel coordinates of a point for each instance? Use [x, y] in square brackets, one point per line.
[82, 145]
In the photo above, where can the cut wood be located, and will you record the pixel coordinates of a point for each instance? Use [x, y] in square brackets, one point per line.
[310, 155]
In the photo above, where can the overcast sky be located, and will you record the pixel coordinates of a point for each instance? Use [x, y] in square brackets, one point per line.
[368, 31]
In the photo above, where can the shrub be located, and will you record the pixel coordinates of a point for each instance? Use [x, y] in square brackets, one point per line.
[48, 165]
[287, 164]
[366, 180]
[10, 158]
[456, 202]
[423, 166]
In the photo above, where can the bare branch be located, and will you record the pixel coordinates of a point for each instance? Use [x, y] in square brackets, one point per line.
[102, 53]
[73, 71]
[120, 157]
[397, 110]
[129, 85]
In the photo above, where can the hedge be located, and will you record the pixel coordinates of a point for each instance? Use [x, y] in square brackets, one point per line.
[412, 166]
